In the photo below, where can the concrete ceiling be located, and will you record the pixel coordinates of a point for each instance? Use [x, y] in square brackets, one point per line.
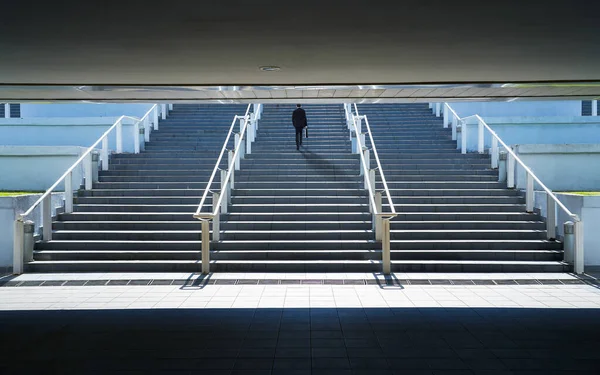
[129, 50]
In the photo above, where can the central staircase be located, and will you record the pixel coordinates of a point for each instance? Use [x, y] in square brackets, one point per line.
[300, 211]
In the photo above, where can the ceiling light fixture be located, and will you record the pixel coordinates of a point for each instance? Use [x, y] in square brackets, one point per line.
[269, 68]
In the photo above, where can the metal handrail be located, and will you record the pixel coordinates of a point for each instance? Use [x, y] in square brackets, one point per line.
[379, 168]
[204, 216]
[573, 240]
[525, 167]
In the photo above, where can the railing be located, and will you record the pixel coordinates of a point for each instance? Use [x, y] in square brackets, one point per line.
[381, 220]
[222, 198]
[506, 163]
[23, 247]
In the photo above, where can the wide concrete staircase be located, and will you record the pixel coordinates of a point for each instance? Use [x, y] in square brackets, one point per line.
[138, 217]
[454, 215]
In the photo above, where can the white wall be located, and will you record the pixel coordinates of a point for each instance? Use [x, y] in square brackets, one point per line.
[83, 110]
[561, 167]
[588, 210]
[518, 108]
[75, 131]
[535, 130]
[10, 207]
[36, 168]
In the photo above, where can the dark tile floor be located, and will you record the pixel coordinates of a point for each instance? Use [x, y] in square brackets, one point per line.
[432, 341]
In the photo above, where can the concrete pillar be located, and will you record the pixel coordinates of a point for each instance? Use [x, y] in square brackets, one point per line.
[502, 157]
[569, 241]
[95, 162]
[28, 242]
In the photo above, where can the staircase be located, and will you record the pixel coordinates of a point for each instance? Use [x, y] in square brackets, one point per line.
[454, 215]
[298, 211]
[138, 217]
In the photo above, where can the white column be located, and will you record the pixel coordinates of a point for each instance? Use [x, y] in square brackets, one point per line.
[119, 137]
[147, 129]
[385, 247]
[550, 217]
[437, 109]
[495, 152]
[377, 221]
[454, 124]
[155, 118]
[6, 110]
[510, 171]
[225, 191]
[88, 172]
[205, 247]
[69, 193]
[445, 120]
[480, 141]
[47, 218]
[463, 137]
[163, 108]
[594, 108]
[529, 193]
[105, 153]
[136, 137]
[18, 240]
[578, 261]
[237, 158]
[216, 232]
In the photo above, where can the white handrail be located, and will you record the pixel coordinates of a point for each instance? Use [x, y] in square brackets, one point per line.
[67, 178]
[531, 177]
[220, 199]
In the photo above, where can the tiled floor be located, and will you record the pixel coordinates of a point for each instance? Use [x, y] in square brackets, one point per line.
[301, 329]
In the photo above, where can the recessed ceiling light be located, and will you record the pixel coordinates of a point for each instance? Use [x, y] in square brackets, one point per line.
[270, 68]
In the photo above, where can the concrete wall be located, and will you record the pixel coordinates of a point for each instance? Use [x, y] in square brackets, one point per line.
[521, 108]
[588, 210]
[561, 167]
[535, 130]
[75, 131]
[10, 207]
[83, 110]
[36, 168]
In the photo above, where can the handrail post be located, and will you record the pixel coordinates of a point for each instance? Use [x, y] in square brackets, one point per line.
[47, 218]
[170, 106]
[69, 193]
[480, 139]
[463, 137]
[225, 191]
[147, 129]
[6, 110]
[358, 122]
[579, 260]
[155, 118]
[237, 159]
[28, 241]
[365, 152]
[136, 137]
[494, 152]
[502, 166]
[569, 242]
[18, 240]
[454, 125]
[372, 179]
[104, 153]
[437, 109]
[205, 247]
[594, 107]
[231, 165]
[354, 141]
[445, 120]
[550, 217]
[120, 136]
[529, 193]
[88, 172]
[163, 108]
[385, 247]
[510, 171]
[216, 232]
[377, 220]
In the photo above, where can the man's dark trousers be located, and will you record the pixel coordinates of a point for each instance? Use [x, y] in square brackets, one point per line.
[298, 137]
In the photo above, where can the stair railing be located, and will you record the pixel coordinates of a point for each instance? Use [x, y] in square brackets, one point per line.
[506, 164]
[381, 220]
[221, 199]
[22, 245]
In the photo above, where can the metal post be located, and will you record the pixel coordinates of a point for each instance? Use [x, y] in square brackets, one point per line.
[87, 172]
[445, 120]
[147, 129]
[249, 138]
[6, 110]
[372, 179]
[237, 159]
[463, 138]
[365, 152]
[358, 122]
[205, 247]
[28, 242]
[480, 141]
[47, 218]
[155, 118]
[18, 240]
[579, 260]
[242, 120]
[385, 247]
[594, 107]
[550, 217]
[377, 221]
[454, 125]
[569, 242]
[510, 174]
[69, 193]
[354, 141]
[216, 232]
[224, 191]
[529, 193]
[105, 153]
[502, 166]
[230, 165]
[119, 137]
[163, 110]
[494, 152]
[437, 109]
[136, 137]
